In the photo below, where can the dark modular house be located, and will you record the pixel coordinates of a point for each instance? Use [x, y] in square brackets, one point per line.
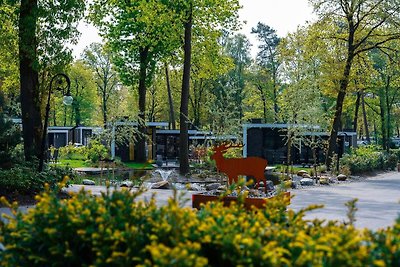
[161, 142]
[58, 136]
[127, 151]
[168, 142]
[269, 141]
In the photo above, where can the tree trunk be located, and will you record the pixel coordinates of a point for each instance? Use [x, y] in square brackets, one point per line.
[196, 102]
[383, 120]
[289, 151]
[170, 101]
[29, 79]
[77, 114]
[357, 107]
[104, 108]
[275, 100]
[141, 141]
[184, 138]
[366, 128]
[65, 116]
[332, 142]
[264, 101]
[388, 116]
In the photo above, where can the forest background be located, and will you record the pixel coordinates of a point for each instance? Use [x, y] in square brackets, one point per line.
[185, 62]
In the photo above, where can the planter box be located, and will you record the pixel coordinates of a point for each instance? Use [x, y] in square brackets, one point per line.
[198, 199]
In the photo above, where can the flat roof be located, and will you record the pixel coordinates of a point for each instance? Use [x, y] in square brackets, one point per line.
[278, 125]
[134, 123]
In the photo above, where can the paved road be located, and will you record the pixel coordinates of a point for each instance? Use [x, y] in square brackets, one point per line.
[378, 200]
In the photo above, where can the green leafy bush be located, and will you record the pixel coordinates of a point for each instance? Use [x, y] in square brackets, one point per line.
[10, 137]
[25, 180]
[72, 152]
[96, 151]
[93, 152]
[368, 158]
[116, 229]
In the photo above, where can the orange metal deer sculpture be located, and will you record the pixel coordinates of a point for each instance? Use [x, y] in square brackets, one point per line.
[251, 166]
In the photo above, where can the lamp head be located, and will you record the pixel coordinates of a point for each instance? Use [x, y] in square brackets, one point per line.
[67, 100]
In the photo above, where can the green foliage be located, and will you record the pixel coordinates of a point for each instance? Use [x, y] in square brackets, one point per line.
[55, 29]
[368, 158]
[96, 151]
[8, 47]
[117, 229]
[72, 152]
[10, 137]
[93, 152]
[85, 106]
[98, 58]
[25, 180]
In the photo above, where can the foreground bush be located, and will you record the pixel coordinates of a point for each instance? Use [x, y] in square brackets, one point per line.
[369, 158]
[117, 230]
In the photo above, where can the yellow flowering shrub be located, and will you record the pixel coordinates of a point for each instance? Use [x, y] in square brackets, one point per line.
[116, 229]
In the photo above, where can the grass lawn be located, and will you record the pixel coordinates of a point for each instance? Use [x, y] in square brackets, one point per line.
[73, 163]
[77, 163]
[139, 166]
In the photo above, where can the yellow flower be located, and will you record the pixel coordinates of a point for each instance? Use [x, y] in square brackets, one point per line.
[206, 239]
[81, 232]
[379, 263]
[49, 231]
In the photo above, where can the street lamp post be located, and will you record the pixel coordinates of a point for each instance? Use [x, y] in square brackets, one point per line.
[67, 100]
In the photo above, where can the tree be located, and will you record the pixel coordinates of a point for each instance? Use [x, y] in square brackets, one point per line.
[229, 88]
[301, 103]
[170, 100]
[238, 48]
[29, 78]
[140, 34]
[268, 59]
[259, 96]
[84, 92]
[184, 109]
[387, 88]
[205, 17]
[42, 34]
[9, 78]
[209, 63]
[99, 60]
[359, 29]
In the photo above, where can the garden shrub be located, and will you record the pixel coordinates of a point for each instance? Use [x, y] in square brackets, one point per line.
[368, 158]
[72, 152]
[96, 151]
[116, 229]
[25, 180]
[10, 137]
[93, 152]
